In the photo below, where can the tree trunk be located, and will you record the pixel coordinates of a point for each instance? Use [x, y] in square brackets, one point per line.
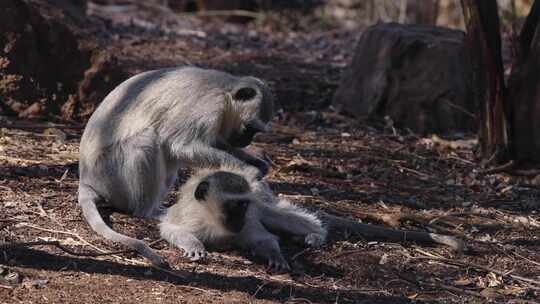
[524, 93]
[483, 41]
[509, 127]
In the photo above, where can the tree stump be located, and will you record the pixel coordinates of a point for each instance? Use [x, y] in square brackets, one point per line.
[46, 67]
[417, 75]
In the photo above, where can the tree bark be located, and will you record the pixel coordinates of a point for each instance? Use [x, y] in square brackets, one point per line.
[483, 40]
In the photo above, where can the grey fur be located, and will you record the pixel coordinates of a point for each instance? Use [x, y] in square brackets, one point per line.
[189, 220]
[154, 123]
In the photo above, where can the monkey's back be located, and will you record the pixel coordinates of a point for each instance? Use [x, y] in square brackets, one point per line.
[155, 99]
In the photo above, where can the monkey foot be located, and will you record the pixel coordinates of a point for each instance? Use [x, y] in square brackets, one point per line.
[195, 255]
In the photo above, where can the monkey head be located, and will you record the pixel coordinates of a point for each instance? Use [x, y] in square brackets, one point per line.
[226, 195]
[250, 108]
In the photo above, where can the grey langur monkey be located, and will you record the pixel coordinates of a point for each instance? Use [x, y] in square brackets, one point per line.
[154, 123]
[229, 207]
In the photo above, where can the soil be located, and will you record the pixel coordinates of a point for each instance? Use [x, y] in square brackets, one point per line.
[322, 161]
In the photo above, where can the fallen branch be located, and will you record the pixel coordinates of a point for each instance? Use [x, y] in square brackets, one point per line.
[380, 233]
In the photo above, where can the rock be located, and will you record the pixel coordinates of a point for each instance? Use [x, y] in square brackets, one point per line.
[416, 75]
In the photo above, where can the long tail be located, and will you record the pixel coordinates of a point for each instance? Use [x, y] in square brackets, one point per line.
[87, 200]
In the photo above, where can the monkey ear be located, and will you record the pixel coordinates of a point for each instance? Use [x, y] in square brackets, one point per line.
[202, 190]
[245, 94]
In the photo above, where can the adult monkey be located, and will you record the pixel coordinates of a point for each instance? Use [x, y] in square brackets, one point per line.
[154, 123]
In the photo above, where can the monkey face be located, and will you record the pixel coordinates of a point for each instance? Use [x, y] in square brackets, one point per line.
[234, 211]
[255, 106]
[241, 139]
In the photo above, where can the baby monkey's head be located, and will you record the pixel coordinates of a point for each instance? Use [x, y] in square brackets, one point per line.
[228, 196]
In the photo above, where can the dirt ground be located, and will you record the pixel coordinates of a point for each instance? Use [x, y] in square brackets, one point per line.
[322, 161]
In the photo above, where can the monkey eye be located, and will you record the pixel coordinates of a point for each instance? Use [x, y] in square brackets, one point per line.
[202, 190]
[245, 94]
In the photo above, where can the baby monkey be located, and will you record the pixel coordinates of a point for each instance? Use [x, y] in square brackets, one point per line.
[230, 208]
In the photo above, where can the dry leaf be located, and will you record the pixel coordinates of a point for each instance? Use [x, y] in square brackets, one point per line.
[463, 282]
[493, 280]
[413, 296]
[490, 293]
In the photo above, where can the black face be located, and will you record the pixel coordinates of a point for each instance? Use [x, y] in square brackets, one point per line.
[243, 139]
[235, 214]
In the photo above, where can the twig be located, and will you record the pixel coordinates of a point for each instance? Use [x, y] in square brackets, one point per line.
[4, 246]
[84, 241]
[459, 108]
[63, 232]
[453, 289]
[502, 168]
[467, 264]
[428, 223]
[418, 173]
[6, 287]
[225, 13]
[439, 285]
[259, 289]
[526, 259]
[525, 172]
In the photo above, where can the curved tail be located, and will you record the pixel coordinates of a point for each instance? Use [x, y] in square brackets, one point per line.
[88, 198]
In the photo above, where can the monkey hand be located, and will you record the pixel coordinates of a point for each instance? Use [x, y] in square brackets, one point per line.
[252, 172]
[315, 240]
[263, 166]
[277, 263]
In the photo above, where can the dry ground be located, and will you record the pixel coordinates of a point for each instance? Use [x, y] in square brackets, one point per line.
[321, 161]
